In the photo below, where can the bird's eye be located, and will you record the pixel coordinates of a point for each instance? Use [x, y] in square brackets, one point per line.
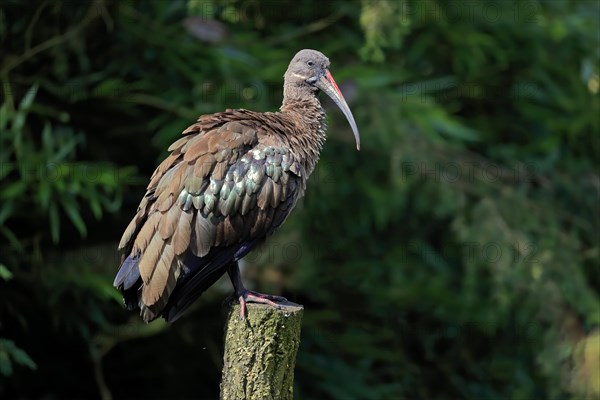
[310, 63]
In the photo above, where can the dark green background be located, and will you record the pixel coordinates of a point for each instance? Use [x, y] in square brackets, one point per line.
[454, 257]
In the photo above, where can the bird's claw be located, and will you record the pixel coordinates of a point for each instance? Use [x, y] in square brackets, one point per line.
[249, 296]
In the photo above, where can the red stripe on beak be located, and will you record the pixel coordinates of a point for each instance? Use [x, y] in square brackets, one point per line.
[330, 79]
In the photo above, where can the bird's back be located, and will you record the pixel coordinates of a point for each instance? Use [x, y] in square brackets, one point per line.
[230, 181]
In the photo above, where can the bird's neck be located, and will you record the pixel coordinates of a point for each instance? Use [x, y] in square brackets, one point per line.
[309, 117]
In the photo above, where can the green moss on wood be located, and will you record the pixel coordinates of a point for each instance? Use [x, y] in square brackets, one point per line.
[260, 352]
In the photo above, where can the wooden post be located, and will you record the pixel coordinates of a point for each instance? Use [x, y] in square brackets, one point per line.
[260, 352]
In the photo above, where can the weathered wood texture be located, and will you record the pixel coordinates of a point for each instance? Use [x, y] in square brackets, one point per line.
[260, 352]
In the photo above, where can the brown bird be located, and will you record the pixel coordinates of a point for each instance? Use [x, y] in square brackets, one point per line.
[229, 182]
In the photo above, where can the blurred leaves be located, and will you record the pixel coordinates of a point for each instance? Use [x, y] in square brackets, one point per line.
[5, 273]
[385, 24]
[46, 177]
[10, 355]
[586, 372]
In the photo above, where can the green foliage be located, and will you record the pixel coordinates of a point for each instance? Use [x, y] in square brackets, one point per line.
[384, 23]
[47, 177]
[5, 273]
[454, 256]
[11, 354]
[476, 216]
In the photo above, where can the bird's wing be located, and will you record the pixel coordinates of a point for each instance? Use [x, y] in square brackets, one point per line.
[219, 190]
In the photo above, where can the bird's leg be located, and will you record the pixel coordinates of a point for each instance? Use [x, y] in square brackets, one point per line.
[248, 296]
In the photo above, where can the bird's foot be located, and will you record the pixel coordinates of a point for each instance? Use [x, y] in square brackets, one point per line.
[249, 296]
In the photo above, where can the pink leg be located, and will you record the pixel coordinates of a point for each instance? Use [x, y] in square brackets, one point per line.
[248, 296]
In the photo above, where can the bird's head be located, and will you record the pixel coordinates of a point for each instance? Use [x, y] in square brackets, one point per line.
[309, 72]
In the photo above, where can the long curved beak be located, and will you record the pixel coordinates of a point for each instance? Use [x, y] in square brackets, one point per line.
[327, 84]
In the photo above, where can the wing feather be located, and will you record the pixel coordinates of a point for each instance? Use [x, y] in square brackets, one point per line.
[154, 289]
[150, 256]
[197, 147]
[203, 237]
[129, 231]
[146, 232]
[169, 222]
[183, 232]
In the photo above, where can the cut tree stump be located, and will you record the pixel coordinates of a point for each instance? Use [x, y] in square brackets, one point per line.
[260, 352]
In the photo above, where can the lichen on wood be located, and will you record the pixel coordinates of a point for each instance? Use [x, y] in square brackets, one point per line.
[260, 352]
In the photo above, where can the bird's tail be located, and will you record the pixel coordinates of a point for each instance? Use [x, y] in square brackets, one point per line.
[198, 274]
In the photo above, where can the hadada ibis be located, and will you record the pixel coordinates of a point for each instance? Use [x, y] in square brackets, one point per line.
[229, 182]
